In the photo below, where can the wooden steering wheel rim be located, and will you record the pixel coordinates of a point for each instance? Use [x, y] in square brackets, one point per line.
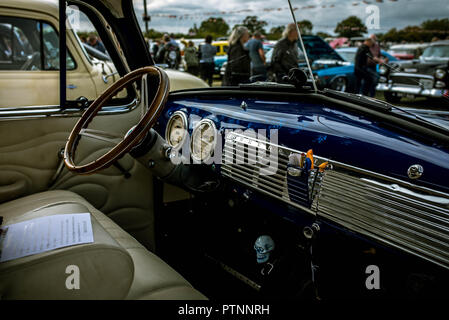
[137, 134]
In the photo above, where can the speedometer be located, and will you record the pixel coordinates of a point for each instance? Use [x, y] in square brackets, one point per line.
[176, 130]
[204, 139]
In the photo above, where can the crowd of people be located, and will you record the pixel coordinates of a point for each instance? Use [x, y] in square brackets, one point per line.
[247, 63]
[246, 57]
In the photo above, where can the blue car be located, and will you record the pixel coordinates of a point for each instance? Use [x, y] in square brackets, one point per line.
[333, 69]
[219, 61]
[339, 74]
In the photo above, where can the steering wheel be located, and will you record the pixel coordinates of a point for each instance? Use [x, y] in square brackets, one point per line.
[133, 137]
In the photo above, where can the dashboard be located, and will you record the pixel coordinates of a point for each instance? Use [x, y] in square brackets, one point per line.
[306, 160]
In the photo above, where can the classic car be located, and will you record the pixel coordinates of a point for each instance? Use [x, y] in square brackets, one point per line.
[258, 191]
[329, 68]
[426, 76]
[349, 54]
[32, 62]
[222, 47]
[408, 51]
[339, 75]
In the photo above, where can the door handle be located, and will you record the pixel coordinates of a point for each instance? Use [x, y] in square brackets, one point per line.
[13, 190]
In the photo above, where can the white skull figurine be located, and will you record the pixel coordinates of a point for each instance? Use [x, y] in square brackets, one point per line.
[263, 246]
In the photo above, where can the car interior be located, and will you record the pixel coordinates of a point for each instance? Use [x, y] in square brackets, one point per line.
[172, 227]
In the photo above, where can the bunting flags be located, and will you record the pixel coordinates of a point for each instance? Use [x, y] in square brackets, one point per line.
[200, 15]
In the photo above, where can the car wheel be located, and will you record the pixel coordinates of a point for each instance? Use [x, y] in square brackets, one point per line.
[339, 84]
[392, 97]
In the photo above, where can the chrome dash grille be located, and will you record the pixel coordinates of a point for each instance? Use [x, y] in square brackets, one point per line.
[258, 175]
[399, 214]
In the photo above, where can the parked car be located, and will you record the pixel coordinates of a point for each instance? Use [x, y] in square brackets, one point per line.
[330, 69]
[339, 75]
[222, 47]
[426, 76]
[348, 54]
[34, 64]
[257, 191]
[220, 62]
[408, 51]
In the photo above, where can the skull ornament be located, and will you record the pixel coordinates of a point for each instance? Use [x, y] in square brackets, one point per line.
[263, 246]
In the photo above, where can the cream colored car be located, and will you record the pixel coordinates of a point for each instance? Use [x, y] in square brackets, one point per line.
[29, 63]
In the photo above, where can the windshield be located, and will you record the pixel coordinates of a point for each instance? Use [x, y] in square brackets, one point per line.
[177, 36]
[317, 48]
[403, 51]
[347, 55]
[437, 52]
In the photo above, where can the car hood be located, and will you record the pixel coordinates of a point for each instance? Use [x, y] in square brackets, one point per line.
[420, 66]
[328, 63]
[438, 117]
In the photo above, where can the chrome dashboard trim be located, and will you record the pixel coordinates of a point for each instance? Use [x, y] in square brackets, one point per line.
[397, 213]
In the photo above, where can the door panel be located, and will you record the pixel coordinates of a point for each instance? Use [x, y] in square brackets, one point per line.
[29, 146]
[29, 158]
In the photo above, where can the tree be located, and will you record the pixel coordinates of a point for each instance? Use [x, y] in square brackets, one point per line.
[275, 33]
[194, 30]
[436, 25]
[435, 28]
[253, 24]
[323, 35]
[216, 27]
[305, 27]
[154, 34]
[351, 27]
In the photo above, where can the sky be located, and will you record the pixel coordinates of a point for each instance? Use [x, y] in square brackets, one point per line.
[324, 14]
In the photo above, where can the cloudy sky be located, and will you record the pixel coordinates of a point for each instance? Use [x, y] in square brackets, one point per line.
[180, 15]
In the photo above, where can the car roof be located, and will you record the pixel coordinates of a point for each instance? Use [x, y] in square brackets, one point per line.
[45, 6]
[347, 49]
[409, 46]
[440, 43]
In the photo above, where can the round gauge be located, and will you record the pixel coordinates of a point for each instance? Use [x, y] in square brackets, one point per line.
[176, 130]
[204, 139]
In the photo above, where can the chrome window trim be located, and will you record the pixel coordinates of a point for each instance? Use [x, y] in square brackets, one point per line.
[36, 112]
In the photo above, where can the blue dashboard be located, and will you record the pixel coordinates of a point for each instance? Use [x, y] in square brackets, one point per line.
[331, 131]
[359, 175]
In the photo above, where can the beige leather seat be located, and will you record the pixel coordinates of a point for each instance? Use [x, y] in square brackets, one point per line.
[115, 266]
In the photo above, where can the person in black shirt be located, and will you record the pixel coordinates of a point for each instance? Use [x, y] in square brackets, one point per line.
[364, 74]
[239, 64]
[285, 53]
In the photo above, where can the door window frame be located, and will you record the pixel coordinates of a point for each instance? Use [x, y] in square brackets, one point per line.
[71, 109]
